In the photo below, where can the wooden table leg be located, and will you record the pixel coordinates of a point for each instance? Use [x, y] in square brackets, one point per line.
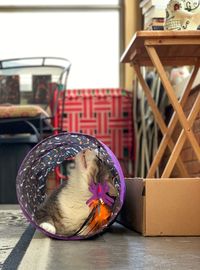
[170, 92]
[181, 140]
[171, 126]
[158, 116]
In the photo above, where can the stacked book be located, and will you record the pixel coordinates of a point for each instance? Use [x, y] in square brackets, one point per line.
[154, 12]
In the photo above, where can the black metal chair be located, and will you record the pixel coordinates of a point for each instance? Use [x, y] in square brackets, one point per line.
[29, 92]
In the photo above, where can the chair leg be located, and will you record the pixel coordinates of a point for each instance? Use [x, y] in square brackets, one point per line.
[158, 117]
[171, 126]
[172, 97]
[181, 140]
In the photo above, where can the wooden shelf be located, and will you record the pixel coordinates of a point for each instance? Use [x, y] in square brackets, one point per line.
[185, 49]
[160, 49]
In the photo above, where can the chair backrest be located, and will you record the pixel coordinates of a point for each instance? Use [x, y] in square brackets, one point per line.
[29, 80]
[106, 114]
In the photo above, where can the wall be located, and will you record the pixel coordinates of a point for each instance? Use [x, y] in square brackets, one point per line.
[132, 23]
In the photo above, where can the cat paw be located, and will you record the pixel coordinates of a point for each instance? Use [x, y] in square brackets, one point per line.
[48, 227]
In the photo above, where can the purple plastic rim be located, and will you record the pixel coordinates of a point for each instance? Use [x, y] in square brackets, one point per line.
[116, 165]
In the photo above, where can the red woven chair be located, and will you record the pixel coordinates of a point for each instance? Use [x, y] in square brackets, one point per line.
[106, 114]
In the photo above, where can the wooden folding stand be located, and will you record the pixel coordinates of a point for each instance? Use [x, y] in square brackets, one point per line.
[166, 206]
[168, 48]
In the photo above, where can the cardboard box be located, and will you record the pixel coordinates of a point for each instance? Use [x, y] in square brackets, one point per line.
[156, 207]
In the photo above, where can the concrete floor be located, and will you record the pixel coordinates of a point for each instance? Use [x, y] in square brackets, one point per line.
[12, 226]
[118, 248]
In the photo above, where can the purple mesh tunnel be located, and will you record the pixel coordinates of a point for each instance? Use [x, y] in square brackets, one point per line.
[48, 154]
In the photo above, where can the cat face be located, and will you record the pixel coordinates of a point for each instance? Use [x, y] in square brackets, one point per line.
[104, 175]
[85, 161]
[91, 163]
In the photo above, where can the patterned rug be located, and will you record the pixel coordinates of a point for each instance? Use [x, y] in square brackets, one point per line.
[12, 226]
